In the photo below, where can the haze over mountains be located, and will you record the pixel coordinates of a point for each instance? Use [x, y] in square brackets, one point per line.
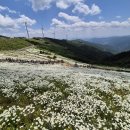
[112, 44]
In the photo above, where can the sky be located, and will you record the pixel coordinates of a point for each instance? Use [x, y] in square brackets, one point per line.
[71, 19]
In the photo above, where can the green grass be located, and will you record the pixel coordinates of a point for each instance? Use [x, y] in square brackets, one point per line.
[13, 44]
[74, 49]
[70, 49]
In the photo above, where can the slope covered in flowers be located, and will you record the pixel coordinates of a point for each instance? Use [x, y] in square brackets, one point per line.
[54, 97]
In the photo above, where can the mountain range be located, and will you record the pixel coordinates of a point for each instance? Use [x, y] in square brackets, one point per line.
[121, 60]
[73, 49]
[114, 45]
[79, 50]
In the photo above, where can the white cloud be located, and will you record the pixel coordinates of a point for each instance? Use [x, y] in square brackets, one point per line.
[85, 9]
[79, 6]
[14, 26]
[8, 22]
[41, 4]
[4, 8]
[24, 18]
[95, 10]
[77, 30]
[69, 18]
[100, 18]
[118, 17]
[58, 23]
[75, 21]
[83, 29]
[62, 4]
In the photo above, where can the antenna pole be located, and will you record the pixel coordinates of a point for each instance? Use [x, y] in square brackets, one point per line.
[54, 32]
[66, 35]
[43, 32]
[27, 29]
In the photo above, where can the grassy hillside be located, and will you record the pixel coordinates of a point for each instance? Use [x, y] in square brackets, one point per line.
[71, 49]
[13, 43]
[122, 60]
[75, 49]
[105, 48]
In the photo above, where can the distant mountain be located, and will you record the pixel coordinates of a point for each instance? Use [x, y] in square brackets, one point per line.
[1, 36]
[105, 48]
[72, 49]
[112, 44]
[122, 60]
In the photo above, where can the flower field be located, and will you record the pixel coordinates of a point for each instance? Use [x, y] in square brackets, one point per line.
[54, 97]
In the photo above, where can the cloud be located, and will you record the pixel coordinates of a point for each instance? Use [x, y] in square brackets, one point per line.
[85, 9]
[75, 22]
[79, 6]
[58, 23]
[46, 4]
[118, 17]
[82, 29]
[95, 10]
[4, 8]
[62, 4]
[41, 4]
[100, 17]
[24, 18]
[89, 29]
[15, 26]
[77, 30]
[69, 18]
[7, 22]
